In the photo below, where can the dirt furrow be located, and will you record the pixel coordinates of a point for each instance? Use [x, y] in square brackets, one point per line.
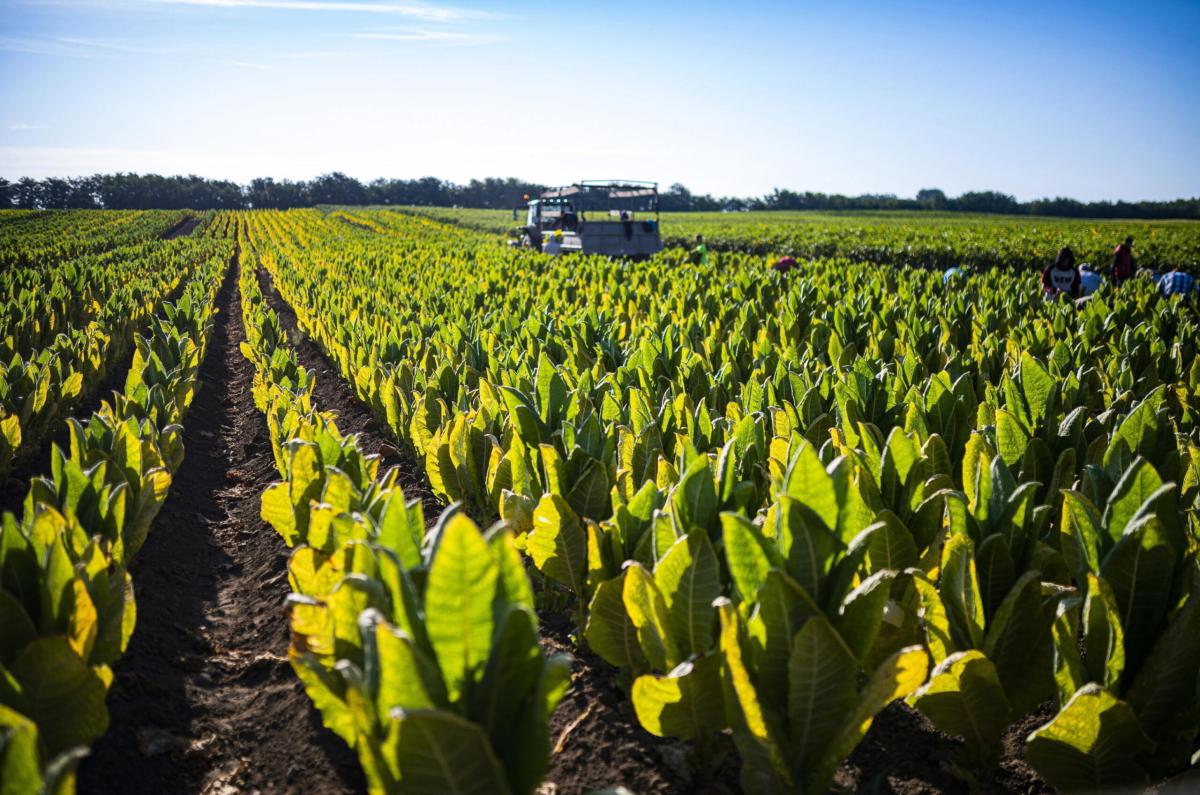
[204, 700]
[183, 228]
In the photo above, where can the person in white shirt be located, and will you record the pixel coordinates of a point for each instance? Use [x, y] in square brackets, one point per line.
[1089, 280]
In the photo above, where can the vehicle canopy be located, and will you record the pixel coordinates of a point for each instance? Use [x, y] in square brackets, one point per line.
[616, 198]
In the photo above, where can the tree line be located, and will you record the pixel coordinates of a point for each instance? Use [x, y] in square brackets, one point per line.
[124, 191]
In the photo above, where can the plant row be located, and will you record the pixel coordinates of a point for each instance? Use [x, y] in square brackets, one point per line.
[420, 651]
[46, 238]
[67, 607]
[65, 328]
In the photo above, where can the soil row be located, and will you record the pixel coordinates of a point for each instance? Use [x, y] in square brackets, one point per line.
[204, 699]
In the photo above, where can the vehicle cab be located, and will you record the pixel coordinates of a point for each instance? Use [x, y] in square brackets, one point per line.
[611, 218]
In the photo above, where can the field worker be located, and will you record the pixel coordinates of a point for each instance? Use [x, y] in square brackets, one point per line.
[1061, 278]
[953, 273]
[1122, 264]
[1176, 282]
[553, 246]
[785, 264]
[699, 255]
[1089, 280]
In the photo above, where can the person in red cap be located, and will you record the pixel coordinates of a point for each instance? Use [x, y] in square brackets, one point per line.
[785, 264]
[1122, 264]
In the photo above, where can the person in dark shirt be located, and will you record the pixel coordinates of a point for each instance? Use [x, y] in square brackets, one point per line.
[1062, 278]
[785, 264]
[1122, 264]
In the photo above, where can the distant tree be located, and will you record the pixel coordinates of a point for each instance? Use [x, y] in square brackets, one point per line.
[988, 201]
[931, 198]
[28, 194]
[336, 188]
[146, 191]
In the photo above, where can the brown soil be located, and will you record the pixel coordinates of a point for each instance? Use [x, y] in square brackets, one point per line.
[204, 699]
[904, 753]
[598, 742]
[183, 228]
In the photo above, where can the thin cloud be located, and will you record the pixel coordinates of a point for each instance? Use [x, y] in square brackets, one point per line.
[444, 36]
[315, 55]
[413, 10]
[46, 47]
[249, 65]
[20, 125]
[115, 46]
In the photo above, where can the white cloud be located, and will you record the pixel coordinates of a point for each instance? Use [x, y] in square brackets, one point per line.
[444, 36]
[78, 47]
[315, 55]
[116, 46]
[46, 47]
[249, 65]
[20, 125]
[411, 9]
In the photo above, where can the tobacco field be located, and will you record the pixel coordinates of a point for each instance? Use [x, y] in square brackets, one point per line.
[365, 500]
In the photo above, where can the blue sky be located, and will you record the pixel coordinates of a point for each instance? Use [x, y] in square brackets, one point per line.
[1092, 99]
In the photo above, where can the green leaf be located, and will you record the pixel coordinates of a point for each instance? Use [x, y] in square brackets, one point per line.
[610, 632]
[964, 698]
[1020, 643]
[890, 544]
[1091, 744]
[938, 635]
[436, 753]
[686, 703]
[959, 589]
[458, 602]
[648, 611]
[694, 501]
[747, 553]
[64, 695]
[1082, 529]
[1140, 570]
[782, 609]
[1011, 438]
[18, 754]
[509, 679]
[1139, 483]
[527, 756]
[808, 547]
[558, 544]
[861, 613]
[807, 481]
[821, 691]
[1069, 673]
[689, 578]
[756, 731]
[1166, 682]
[588, 495]
[1103, 639]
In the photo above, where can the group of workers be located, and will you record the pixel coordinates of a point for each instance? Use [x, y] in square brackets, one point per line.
[1065, 279]
[1062, 279]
